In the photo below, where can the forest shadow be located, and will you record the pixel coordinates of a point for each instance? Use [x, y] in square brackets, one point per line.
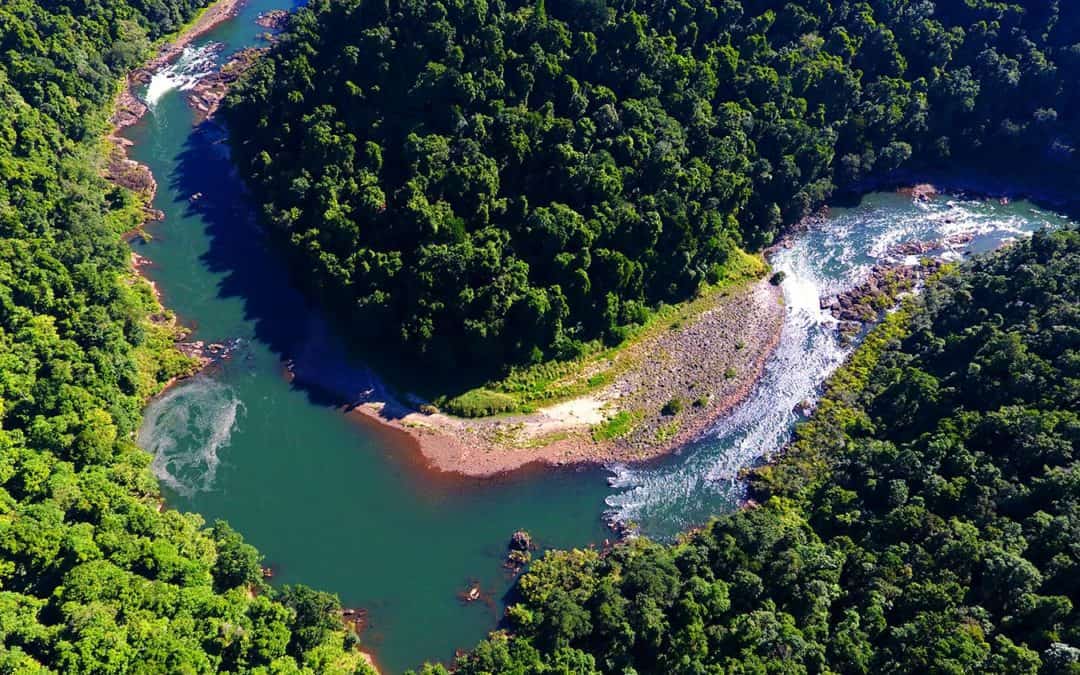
[1056, 193]
[322, 363]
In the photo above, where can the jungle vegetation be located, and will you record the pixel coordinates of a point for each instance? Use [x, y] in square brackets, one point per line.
[94, 576]
[925, 520]
[492, 182]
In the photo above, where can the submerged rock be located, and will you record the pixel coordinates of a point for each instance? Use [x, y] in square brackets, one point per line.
[866, 302]
[519, 551]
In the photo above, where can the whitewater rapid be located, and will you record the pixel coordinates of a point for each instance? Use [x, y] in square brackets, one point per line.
[833, 254]
[193, 64]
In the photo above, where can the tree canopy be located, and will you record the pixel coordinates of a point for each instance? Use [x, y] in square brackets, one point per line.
[476, 181]
[94, 576]
[924, 521]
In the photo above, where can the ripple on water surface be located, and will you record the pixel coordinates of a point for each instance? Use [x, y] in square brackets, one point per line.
[186, 429]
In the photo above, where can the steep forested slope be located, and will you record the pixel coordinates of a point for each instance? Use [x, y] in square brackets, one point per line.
[93, 577]
[498, 181]
[926, 520]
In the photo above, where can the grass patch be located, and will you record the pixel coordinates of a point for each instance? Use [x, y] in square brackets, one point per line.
[545, 440]
[667, 432]
[672, 407]
[480, 402]
[619, 425]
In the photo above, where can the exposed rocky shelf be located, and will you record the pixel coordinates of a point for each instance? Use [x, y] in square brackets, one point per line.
[708, 362]
[275, 19]
[210, 91]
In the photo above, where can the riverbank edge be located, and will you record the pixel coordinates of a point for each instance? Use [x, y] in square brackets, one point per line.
[126, 110]
[474, 448]
[125, 101]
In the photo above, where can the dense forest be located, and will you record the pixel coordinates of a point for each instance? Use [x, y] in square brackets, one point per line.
[519, 179]
[926, 519]
[477, 181]
[94, 576]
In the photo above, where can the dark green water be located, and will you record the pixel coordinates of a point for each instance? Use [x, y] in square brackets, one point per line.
[330, 503]
[346, 508]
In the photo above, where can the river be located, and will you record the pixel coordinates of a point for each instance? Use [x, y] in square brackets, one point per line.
[336, 504]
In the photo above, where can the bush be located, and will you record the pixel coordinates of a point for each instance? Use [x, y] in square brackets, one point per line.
[620, 424]
[481, 402]
[672, 407]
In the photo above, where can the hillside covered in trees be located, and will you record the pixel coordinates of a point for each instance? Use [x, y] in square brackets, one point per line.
[499, 182]
[94, 576]
[926, 520]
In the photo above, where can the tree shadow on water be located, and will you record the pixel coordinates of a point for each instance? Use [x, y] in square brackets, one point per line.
[255, 271]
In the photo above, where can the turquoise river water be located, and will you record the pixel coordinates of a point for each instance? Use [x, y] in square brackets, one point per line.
[344, 507]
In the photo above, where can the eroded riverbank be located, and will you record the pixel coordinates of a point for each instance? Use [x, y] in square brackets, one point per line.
[669, 387]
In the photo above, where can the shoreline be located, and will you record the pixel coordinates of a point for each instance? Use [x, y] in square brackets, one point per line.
[127, 110]
[563, 435]
[211, 17]
[972, 183]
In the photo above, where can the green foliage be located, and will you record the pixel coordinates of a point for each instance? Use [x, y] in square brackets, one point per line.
[94, 576]
[672, 407]
[618, 425]
[480, 403]
[489, 183]
[924, 520]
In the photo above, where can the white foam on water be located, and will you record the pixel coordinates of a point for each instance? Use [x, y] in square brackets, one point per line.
[193, 64]
[661, 500]
[186, 429]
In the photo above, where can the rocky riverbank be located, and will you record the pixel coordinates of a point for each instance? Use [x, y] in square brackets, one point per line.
[275, 19]
[861, 306]
[207, 94]
[120, 170]
[670, 386]
[128, 109]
